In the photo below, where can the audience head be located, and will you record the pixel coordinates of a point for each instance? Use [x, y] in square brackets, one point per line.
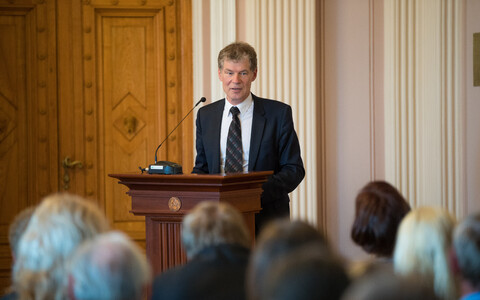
[379, 209]
[305, 274]
[57, 227]
[17, 228]
[386, 285]
[211, 224]
[466, 242]
[277, 239]
[109, 267]
[423, 243]
[236, 52]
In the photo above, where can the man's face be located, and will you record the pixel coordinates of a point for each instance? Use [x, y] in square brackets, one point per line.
[237, 78]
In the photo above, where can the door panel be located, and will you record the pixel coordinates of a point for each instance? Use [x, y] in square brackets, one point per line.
[28, 114]
[130, 100]
[99, 82]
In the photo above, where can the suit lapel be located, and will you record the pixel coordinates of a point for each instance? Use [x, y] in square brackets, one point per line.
[216, 118]
[258, 124]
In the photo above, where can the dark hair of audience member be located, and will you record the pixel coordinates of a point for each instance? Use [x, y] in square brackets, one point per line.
[379, 209]
[277, 239]
[305, 274]
[381, 285]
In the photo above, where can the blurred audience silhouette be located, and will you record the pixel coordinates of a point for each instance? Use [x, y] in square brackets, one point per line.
[15, 231]
[277, 239]
[424, 241]
[307, 273]
[58, 226]
[384, 284]
[109, 267]
[379, 209]
[466, 257]
[216, 241]
[61, 250]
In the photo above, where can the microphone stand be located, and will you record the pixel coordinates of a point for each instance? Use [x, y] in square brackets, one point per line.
[168, 167]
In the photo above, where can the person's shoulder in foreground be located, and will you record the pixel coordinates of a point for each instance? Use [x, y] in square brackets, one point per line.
[216, 241]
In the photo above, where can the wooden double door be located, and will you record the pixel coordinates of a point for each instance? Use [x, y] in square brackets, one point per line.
[88, 88]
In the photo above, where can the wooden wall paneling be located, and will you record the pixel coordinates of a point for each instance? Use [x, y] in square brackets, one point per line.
[28, 123]
[74, 118]
[13, 109]
[171, 147]
[42, 122]
[93, 138]
[185, 51]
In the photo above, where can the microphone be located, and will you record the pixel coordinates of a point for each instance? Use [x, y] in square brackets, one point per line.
[168, 167]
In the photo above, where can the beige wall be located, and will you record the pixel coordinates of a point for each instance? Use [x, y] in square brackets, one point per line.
[352, 74]
[472, 112]
[351, 66]
[354, 110]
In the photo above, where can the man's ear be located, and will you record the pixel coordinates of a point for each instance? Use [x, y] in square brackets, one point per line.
[453, 261]
[71, 284]
[254, 74]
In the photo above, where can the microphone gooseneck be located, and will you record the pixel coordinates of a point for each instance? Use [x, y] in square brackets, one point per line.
[203, 99]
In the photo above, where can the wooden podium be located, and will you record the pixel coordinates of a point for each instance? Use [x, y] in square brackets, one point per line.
[165, 199]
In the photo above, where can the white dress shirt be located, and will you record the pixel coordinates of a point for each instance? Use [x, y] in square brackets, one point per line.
[245, 116]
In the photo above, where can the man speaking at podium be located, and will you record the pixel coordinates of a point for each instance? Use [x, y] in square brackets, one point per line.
[249, 133]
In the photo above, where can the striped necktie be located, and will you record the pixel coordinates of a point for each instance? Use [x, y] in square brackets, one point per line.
[234, 153]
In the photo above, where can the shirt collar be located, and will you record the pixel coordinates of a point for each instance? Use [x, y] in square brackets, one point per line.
[243, 107]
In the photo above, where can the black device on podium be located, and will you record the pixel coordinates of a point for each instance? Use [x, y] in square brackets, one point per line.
[168, 167]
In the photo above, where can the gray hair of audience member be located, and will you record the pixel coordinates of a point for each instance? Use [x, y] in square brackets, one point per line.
[386, 285]
[305, 274]
[423, 245]
[213, 223]
[237, 51]
[278, 238]
[466, 242]
[109, 267]
[58, 226]
[17, 228]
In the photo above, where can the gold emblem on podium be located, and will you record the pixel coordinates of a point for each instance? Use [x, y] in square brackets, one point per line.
[174, 204]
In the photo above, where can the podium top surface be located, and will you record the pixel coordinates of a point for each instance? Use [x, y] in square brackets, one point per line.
[192, 179]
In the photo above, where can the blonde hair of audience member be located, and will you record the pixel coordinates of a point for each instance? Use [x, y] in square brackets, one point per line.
[466, 242]
[277, 239]
[57, 227]
[213, 223]
[424, 240]
[109, 267]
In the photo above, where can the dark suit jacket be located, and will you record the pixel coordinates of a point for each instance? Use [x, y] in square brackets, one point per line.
[273, 147]
[10, 296]
[215, 273]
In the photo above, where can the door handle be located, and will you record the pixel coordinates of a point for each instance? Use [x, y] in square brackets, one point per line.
[68, 164]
